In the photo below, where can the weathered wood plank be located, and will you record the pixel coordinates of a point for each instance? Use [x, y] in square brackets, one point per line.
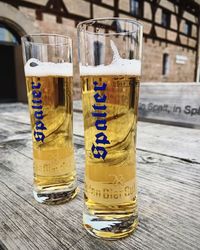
[168, 189]
[2, 246]
[168, 103]
[164, 203]
[169, 193]
[183, 143]
[32, 227]
[168, 140]
[57, 222]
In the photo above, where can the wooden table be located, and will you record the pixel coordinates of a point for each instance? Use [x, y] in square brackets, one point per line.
[168, 163]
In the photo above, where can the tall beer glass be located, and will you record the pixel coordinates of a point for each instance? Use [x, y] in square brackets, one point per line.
[49, 73]
[110, 52]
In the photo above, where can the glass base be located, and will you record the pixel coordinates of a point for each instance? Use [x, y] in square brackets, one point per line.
[112, 229]
[55, 197]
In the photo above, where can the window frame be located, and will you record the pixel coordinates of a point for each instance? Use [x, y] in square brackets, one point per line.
[189, 31]
[12, 31]
[168, 18]
[165, 64]
[98, 52]
[133, 12]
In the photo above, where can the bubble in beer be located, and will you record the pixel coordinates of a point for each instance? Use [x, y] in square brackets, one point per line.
[33, 64]
[48, 68]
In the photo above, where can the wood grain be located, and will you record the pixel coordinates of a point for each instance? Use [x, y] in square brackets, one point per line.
[168, 185]
[178, 142]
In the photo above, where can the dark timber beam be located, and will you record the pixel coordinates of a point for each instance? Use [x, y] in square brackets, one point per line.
[53, 7]
[116, 8]
[192, 10]
[154, 7]
[58, 8]
[180, 12]
[190, 6]
[170, 42]
[91, 11]
[197, 59]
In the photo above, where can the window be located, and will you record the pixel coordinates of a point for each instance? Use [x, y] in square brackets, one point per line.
[6, 35]
[98, 53]
[188, 28]
[136, 7]
[131, 54]
[165, 70]
[116, 26]
[166, 18]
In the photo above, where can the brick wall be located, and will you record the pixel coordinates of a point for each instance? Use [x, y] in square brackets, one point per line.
[153, 50]
[153, 60]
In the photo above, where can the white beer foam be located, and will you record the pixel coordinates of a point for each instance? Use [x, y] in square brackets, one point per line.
[119, 66]
[47, 68]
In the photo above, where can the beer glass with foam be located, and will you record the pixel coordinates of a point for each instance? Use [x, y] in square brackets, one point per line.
[49, 72]
[110, 51]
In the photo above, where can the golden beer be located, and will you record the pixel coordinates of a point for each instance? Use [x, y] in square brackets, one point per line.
[110, 131]
[50, 106]
[110, 53]
[49, 71]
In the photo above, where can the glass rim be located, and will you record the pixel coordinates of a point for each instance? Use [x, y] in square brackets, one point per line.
[66, 42]
[129, 20]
